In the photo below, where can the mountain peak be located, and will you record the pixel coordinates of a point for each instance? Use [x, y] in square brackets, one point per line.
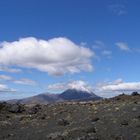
[82, 89]
[74, 94]
[76, 90]
[80, 86]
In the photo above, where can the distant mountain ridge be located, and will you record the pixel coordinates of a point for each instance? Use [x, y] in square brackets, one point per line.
[68, 95]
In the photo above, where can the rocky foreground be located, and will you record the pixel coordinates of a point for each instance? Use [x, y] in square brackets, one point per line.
[110, 119]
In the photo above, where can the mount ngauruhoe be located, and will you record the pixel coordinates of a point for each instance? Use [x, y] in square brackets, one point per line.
[68, 95]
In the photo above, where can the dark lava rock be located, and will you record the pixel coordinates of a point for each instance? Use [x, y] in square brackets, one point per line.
[95, 119]
[55, 136]
[91, 130]
[87, 137]
[124, 122]
[42, 116]
[109, 119]
[63, 122]
[119, 138]
[34, 110]
[3, 105]
[16, 108]
[135, 94]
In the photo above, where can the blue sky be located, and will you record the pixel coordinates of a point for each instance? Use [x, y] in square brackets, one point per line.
[99, 39]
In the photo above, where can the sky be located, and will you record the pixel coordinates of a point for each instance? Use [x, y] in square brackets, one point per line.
[52, 45]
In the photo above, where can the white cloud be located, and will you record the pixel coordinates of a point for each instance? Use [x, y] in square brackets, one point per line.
[5, 77]
[79, 85]
[110, 89]
[25, 81]
[5, 88]
[56, 56]
[122, 46]
[132, 86]
[11, 70]
[117, 81]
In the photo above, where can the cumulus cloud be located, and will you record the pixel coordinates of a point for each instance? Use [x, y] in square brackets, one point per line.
[56, 56]
[79, 85]
[122, 46]
[3, 87]
[132, 86]
[110, 89]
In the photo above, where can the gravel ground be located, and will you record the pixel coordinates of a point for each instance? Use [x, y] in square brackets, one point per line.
[110, 119]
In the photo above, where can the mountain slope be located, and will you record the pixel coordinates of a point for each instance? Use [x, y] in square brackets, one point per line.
[73, 94]
[68, 95]
[38, 99]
